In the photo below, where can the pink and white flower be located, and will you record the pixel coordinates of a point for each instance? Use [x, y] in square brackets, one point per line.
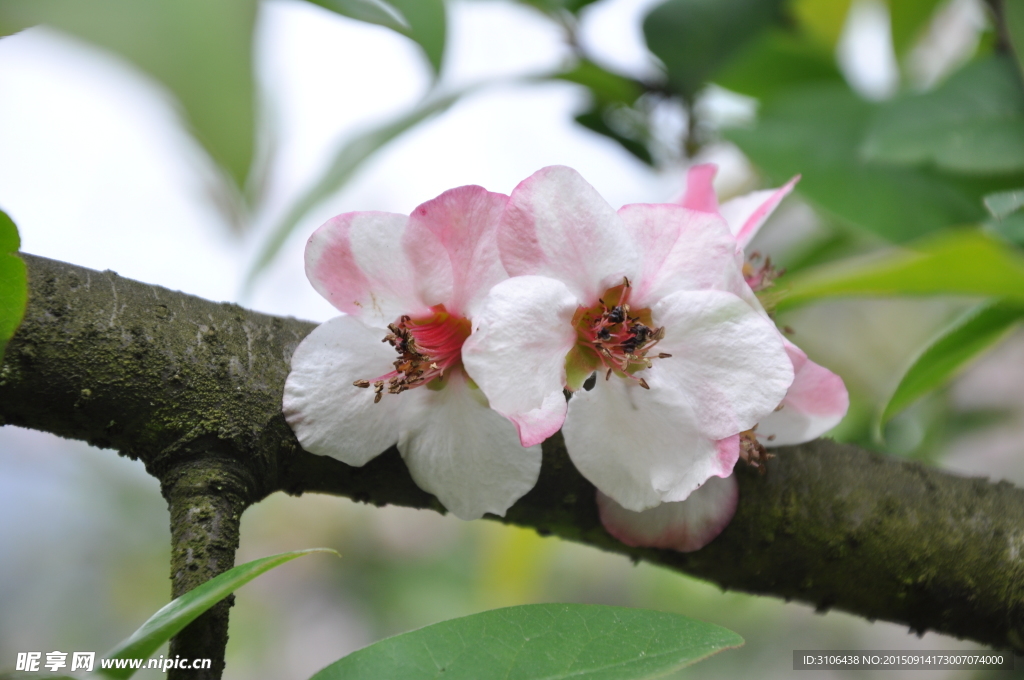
[410, 288]
[815, 402]
[639, 296]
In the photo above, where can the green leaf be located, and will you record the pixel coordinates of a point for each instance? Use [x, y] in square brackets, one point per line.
[371, 11]
[908, 18]
[694, 38]
[173, 617]
[423, 21]
[13, 281]
[200, 50]
[950, 352]
[816, 131]
[821, 21]
[1013, 18]
[957, 263]
[599, 119]
[1010, 228]
[974, 123]
[607, 87]
[776, 61]
[346, 161]
[1004, 203]
[549, 641]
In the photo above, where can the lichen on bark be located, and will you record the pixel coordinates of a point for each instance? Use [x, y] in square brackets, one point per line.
[193, 389]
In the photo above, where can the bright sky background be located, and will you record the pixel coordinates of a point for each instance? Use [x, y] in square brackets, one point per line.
[96, 170]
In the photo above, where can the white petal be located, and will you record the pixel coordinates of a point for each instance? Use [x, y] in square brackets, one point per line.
[684, 526]
[463, 452]
[640, 447]
[747, 214]
[728, 361]
[359, 263]
[329, 415]
[557, 225]
[680, 249]
[516, 353]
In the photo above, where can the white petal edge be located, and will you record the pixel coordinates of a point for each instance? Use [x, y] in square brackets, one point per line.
[684, 526]
[747, 214]
[463, 452]
[815, 403]
[329, 415]
[728, 361]
[516, 352]
[640, 447]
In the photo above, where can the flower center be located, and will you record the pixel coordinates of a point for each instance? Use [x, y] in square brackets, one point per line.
[427, 349]
[611, 336]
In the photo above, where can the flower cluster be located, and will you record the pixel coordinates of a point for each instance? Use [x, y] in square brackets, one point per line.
[466, 323]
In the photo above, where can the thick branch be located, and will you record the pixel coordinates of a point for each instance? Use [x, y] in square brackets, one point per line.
[174, 380]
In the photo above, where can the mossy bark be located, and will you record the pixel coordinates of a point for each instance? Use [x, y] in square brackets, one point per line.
[193, 389]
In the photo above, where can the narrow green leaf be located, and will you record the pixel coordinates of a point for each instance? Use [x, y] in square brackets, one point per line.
[371, 11]
[974, 122]
[540, 641]
[1004, 203]
[957, 263]
[173, 617]
[13, 281]
[950, 352]
[346, 161]
[423, 21]
[694, 38]
[817, 130]
[200, 50]
[428, 26]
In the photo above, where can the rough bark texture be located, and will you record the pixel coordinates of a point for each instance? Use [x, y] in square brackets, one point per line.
[206, 499]
[193, 389]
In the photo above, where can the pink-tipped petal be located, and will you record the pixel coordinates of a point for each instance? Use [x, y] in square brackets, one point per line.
[537, 425]
[357, 261]
[684, 526]
[814, 404]
[726, 358]
[463, 452]
[516, 353]
[746, 214]
[452, 242]
[557, 225]
[330, 416]
[680, 249]
[639, 446]
[700, 190]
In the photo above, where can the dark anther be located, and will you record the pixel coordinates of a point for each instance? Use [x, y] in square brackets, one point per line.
[616, 315]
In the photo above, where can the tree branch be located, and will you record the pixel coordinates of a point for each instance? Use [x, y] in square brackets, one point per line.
[178, 381]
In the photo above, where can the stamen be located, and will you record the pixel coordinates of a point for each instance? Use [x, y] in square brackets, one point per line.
[619, 336]
[428, 349]
[752, 452]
